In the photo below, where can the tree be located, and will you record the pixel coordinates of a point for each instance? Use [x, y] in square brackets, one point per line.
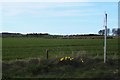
[118, 31]
[114, 31]
[101, 32]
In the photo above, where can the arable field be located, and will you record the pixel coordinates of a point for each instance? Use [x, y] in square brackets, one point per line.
[18, 52]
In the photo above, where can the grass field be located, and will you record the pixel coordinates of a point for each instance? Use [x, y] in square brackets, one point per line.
[20, 48]
[25, 49]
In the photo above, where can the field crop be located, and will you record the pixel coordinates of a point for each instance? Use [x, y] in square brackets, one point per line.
[26, 57]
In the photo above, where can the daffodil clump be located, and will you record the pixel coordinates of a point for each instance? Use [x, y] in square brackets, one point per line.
[67, 58]
[70, 61]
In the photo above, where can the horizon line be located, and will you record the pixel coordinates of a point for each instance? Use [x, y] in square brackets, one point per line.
[50, 33]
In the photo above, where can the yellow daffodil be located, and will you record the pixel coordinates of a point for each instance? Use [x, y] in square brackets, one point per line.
[65, 58]
[61, 59]
[71, 58]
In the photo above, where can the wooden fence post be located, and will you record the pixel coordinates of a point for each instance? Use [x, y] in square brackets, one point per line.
[47, 54]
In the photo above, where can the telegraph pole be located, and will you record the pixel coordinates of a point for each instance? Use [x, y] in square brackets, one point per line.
[105, 36]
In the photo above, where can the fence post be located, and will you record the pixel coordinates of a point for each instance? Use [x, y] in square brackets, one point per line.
[47, 54]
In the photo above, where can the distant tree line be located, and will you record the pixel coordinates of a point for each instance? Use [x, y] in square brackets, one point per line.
[114, 31]
[37, 34]
[42, 35]
[6, 34]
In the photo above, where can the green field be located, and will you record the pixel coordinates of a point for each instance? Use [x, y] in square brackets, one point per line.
[20, 48]
[15, 49]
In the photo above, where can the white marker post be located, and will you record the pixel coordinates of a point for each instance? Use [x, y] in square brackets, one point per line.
[105, 35]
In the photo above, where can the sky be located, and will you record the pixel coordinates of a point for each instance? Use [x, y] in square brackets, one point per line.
[63, 18]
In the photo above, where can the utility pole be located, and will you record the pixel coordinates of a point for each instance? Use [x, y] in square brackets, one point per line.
[105, 36]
